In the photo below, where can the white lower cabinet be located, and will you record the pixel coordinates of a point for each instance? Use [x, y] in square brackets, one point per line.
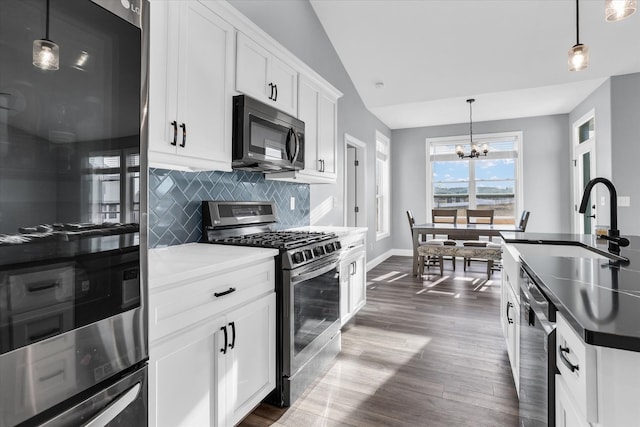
[353, 283]
[215, 373]
[567, 415]
[510, 309]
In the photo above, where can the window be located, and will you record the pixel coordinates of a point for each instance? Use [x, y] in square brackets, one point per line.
[113, 190]
[491, 182]
[383, 201]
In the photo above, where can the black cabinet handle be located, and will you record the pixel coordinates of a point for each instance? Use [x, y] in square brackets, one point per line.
[276, 98]
[226, 340]
[564, 359]
[509, 305]
[233, 336]
[175, 132]
[184, 135]
[221, 294]
[271, 85]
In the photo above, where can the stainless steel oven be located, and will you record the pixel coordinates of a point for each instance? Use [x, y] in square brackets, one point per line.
[537, 355]
[310, 322]
[73, 99]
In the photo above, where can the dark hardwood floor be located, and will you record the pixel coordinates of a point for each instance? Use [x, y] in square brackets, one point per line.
[422, 352]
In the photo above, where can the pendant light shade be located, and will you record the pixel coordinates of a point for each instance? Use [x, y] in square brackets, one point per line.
[578, 57]
[617, 10]
[579, 53]
[46, 54]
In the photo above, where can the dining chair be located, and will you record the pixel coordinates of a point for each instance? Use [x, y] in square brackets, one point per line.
[446, 216]
[428, 261]
[478, 216]
[524, 219]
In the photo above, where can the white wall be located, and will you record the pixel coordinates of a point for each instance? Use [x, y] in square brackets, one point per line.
[546, 171]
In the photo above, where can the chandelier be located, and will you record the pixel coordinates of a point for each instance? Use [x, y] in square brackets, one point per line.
[475, 153]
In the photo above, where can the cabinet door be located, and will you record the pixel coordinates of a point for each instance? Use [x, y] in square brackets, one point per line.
[252, 69]
[358, 284]
[251, 358]
[567, 415]
[327, 134]
[183, 380]
[308, 113]
[204, 84]
[163, 75]
[286, 80]
[345, 294]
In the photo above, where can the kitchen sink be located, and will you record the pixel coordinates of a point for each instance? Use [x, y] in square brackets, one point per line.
[571, 251]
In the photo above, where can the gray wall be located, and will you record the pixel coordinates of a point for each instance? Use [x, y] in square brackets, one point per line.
[625, 141]
[295, 25]
[600, 102]
[546, 171]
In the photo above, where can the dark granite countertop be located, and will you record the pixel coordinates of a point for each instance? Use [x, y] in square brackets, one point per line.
[599, 298]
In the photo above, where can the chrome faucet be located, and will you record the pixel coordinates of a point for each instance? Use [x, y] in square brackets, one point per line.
[613, 236]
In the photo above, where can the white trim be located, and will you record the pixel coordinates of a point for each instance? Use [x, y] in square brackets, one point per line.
[387, 193]
[355, 142]
[480, 138]
[590, 145]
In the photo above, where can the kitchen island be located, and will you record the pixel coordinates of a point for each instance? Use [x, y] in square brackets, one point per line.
[596, 344]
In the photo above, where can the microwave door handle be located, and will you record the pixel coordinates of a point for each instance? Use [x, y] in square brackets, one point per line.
[297, 150]
[287, 145]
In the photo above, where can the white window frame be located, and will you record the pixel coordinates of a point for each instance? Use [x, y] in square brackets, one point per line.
[384, 193]
[479, 139]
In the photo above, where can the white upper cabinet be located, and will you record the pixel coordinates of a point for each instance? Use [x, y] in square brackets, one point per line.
[318, 109]
[191, 85]
[265, 77]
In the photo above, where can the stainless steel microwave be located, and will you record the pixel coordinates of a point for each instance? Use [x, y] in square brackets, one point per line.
[265, 139]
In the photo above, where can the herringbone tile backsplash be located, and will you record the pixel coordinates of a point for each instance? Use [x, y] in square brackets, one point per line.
[175, 208]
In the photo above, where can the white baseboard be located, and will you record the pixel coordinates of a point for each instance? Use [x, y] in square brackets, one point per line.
[398, 252]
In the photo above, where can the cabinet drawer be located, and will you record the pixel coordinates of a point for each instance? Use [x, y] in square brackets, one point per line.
[194, 302]
[511, 267]
[576, 362]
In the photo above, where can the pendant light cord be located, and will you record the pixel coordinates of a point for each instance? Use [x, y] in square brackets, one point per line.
[470, 101]
[577, 22]
[47, 23]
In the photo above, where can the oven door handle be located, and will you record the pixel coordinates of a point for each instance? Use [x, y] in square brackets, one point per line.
[315, 272]
[115, 408]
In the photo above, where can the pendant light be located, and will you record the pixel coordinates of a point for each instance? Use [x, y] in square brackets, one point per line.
[579, 53]
[46, 54]
[475, 153]
[617, 10]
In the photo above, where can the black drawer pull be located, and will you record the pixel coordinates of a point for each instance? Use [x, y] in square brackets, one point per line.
[564, 359]
[42, 287]
[49, 333]
[48, 377]
[221, 294]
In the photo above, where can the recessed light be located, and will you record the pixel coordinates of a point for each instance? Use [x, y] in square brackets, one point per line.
[379, 85]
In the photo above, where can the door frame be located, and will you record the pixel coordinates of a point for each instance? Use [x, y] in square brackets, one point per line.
[577, 185]
[361, 179]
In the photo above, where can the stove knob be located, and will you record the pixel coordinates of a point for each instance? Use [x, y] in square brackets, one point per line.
[308, 254]
[338, 245]
[318, 251]
[329, 248]
[298, 257]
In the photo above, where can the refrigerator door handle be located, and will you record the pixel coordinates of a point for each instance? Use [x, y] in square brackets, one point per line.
[115, 408]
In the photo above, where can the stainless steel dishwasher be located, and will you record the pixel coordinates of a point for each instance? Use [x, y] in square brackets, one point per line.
[537, 355]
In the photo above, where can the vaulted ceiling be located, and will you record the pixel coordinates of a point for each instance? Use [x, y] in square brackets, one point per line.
[510, 55]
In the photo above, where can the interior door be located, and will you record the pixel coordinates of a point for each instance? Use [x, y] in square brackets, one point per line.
[584, 162]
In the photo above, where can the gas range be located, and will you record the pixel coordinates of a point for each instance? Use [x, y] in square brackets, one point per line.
[250, 224]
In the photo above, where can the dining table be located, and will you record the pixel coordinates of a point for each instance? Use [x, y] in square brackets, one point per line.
[456, 232]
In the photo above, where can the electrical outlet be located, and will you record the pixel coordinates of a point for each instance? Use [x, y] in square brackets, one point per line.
[292, 203]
